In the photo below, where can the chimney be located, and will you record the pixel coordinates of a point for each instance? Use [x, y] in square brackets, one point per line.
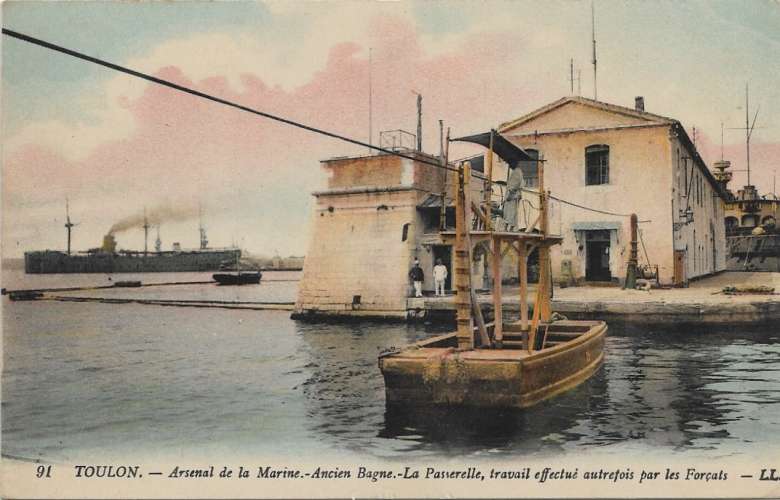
[639, 103]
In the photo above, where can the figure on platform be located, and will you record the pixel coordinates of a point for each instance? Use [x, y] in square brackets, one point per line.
[514, 193]
[439, 277]
[417, 276]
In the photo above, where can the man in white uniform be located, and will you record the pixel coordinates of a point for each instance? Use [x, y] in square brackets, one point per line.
[439, 277]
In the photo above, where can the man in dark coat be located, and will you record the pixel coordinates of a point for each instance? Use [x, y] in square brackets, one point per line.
[417, 276]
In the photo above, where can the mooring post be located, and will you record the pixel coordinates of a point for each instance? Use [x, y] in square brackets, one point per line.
[633, 258]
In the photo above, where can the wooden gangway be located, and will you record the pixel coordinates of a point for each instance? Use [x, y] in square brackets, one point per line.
[497, 364]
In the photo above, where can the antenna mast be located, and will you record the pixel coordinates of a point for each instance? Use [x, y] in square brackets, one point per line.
[748, 130]
[593, 21]
[571, 74]
[419, 122]
[370, 102]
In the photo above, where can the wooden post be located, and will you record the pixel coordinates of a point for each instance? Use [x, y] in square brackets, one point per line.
[498, 331]
[522, 259]
[543, 298]
[488, 190]
[462, 264]
[445, 162]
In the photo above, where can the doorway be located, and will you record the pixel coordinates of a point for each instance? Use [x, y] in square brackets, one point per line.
[444, 252]
[679, 268]
[597, 244]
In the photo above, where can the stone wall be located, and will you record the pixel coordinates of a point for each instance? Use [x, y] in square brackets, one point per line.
[364, 236]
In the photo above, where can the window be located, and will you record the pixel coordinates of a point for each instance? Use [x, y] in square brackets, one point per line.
[732, 223]
[596, 165]
[530, 169]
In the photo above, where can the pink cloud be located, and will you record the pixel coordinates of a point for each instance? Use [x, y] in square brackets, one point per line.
[185, 143]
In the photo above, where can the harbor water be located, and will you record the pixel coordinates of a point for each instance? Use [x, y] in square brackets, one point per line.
[132, 381]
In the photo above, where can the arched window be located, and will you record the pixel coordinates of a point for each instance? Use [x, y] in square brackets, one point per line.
[597, 165]
[530, 169]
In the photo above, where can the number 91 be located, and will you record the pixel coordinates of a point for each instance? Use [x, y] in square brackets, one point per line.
[43, 471]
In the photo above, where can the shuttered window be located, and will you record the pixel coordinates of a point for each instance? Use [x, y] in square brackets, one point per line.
[597, 165]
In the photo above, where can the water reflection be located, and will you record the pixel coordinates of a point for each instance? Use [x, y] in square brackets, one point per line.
[677, 390]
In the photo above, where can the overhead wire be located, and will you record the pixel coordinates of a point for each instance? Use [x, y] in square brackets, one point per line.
[203, 95]
[280, 119]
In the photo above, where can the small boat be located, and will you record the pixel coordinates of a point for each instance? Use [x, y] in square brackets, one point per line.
[246, 278]
[503, 364]
[127, 284]
[25, 295]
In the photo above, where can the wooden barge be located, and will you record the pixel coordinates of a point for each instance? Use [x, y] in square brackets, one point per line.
[513, 364]
[434, 371]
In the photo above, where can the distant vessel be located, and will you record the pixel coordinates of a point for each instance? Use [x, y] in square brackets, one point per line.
[239, 278]
[107, 259]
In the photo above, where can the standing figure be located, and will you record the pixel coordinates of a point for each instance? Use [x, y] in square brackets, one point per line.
[439, 277]
[417, 277]
[514, 193]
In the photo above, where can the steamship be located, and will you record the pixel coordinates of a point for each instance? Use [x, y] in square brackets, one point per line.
[107, 259]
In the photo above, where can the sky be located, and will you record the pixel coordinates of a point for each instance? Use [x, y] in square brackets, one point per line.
[113, 145]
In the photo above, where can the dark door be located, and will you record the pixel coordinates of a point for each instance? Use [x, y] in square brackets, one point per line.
[597, 256]
[444, 252]
[679, 267]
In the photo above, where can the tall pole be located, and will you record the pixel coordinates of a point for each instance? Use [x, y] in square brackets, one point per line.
[488, 189]
[571, 74]
[462, 264]
[370, 101]
[593, 24]
[441, 140]
[419, 122]
[544, 252]
[747, 132]
[445, 160]
[633, 259]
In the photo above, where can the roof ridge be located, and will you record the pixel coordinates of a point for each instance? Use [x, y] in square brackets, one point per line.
[616, 108]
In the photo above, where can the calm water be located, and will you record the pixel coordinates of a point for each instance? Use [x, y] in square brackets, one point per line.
[118, 381]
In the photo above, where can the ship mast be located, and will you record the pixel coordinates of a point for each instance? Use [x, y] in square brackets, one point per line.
[158, 241]
[204, 242]
[68, 224]
[146, 233]
[748, 131]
